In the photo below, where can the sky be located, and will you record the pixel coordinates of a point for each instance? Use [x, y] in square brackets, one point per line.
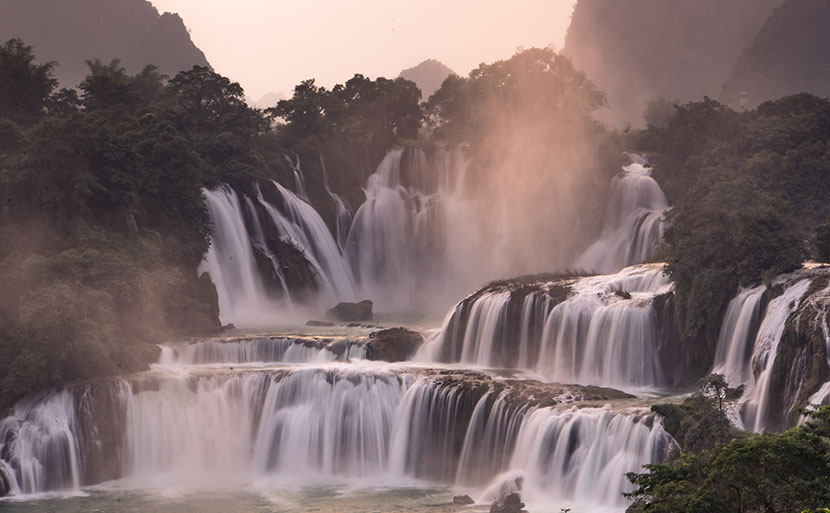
[271, 45]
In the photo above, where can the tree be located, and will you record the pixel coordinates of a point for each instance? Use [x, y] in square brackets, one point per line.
[714, 384]
[24, 85]
[107, 86]
[822, 242]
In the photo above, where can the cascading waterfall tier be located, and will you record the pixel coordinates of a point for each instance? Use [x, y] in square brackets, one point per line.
[411, 241]
[633, 225]
[591, 330]
[263, 349]
[778, 351]
[289, 234]
[186, 425]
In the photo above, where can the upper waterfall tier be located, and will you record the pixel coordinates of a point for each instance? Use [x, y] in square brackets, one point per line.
[589, 330]
[327, 424]
[633, 225]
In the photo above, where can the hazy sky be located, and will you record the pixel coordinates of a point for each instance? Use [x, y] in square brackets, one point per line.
[271, 45]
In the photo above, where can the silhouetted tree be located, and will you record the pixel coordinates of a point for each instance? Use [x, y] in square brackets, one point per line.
[24, 85]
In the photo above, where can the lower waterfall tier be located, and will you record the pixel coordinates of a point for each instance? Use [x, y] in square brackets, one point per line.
[325, 424]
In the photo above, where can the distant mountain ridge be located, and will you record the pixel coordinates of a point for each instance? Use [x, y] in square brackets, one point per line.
[640, 50]
[70, 32]
[428, 75]
[790, 54]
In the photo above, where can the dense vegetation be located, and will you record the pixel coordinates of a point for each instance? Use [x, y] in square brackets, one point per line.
[750, 200]
[722, 469]
[102, 221]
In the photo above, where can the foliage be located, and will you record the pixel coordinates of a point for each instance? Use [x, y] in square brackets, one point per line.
[748, 189]
[102, 220]
[24, 85]
[535, 88]
[766, 473]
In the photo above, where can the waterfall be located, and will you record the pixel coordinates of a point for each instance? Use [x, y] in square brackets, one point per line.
[192, 426]
[562, 456]
[737, 333]
[342, 210]
[300, 223]
[299, 177]
[261, 350]
[594, 330]
[39, 445]
[230, 261]
[755, 412]
[415, 231]
[633, 226]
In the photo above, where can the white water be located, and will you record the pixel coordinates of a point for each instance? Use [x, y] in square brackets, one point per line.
[300, 223]
[40, 446]
[230, 262]
[257, 350]
[341, 208]
[186, 426]
[633, 226]
[737, 334]
[594, 336]
[417, 244]
[755, 410]
[563, 456]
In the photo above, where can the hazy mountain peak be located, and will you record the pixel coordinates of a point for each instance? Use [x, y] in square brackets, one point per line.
[429, 75]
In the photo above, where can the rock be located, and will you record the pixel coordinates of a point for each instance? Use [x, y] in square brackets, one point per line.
[463, 500]
[511, 503]
[393, 345]
[5, 483]
[351, 312]
[313, 322]
[227, 327]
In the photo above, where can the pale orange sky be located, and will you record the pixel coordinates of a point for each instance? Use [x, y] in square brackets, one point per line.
[271, 45]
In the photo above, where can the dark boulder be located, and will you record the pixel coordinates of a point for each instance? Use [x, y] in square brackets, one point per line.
[511, 503]
[463, 500]
[350, 312]
[393, 345]
[313, 322]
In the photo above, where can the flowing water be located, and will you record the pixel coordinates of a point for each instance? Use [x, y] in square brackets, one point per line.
[251, 415]
[298, 420]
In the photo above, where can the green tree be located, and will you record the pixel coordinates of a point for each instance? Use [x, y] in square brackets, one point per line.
[25, 86]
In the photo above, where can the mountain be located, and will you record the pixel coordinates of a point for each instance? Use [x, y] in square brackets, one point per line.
[69, 32]
[429, 75]
[640, 50]
[789, 55]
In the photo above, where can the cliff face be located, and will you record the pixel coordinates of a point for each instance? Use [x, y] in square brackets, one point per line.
[69, 32]
[789, 55]
[641, 50]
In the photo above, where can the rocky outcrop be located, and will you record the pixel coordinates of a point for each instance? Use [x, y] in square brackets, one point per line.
[511, 503]
[350, 312]
[393, 344]
[802, 365]
[463, 500]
